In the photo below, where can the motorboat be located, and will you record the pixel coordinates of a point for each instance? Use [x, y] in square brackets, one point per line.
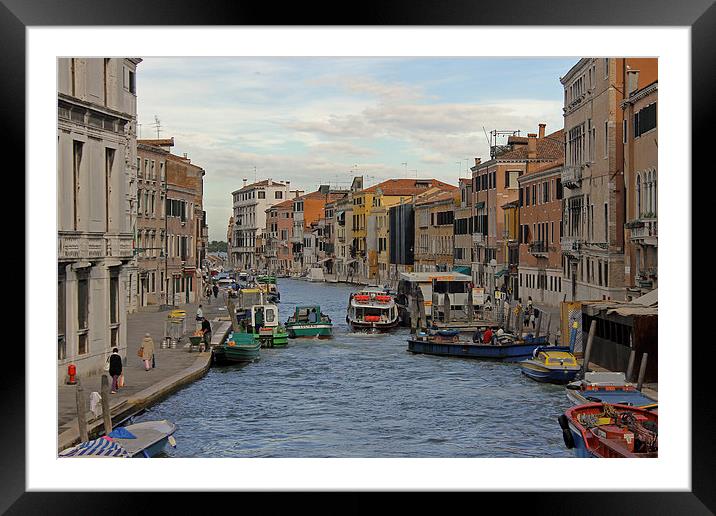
[372, 309]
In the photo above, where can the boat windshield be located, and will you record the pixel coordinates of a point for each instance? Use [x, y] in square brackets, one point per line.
[451, 287]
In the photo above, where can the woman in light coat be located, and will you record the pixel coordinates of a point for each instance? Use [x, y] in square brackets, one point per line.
[147, 351]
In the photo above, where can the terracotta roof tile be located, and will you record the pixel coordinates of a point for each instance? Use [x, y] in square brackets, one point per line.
[408, 186]
[549, 147]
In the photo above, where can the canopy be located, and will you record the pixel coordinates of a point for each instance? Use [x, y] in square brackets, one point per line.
[500, 273]
[96, 448]
[463, 269]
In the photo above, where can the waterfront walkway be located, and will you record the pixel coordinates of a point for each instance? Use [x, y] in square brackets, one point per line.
[174, 368]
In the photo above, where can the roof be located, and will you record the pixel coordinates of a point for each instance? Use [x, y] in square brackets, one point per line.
[438, 196]
[258, 184]
[161, 142]
[330, 196]
[407, 186]
[548, 147]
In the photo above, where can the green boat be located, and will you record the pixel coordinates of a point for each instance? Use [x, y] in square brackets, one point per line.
[262, 320]
[303, 323]
[240, 347]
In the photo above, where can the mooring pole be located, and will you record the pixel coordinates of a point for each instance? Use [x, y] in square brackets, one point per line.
[588, 349]
[642, 371]
[81, 412]
[105, 405]
[630, 367]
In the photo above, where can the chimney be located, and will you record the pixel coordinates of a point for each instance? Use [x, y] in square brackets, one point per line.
[541, 130]
[531, 146]
[632, 81]
[270, 183]
[245, 182]
[288, 185]
[477, 161]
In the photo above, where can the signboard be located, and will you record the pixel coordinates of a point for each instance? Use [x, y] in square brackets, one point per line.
[478, 296]
[499, 296]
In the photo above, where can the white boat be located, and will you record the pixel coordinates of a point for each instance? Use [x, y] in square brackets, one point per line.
[372, 309]
[146, 439]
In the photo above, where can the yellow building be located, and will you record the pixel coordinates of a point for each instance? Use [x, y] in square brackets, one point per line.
[385, 194]
[434, 231]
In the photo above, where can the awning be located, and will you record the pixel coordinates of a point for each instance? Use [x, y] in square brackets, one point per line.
[500, 273]
[479, 205]
[463, 269]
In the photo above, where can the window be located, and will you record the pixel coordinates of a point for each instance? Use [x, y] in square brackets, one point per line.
[82, 313]
[114, 299]
[108, 162]
[606, 223]
[511, 179]
[132, 82]
[606, 68]
[606, 139]
[61, 314]
[624, 130]
[278, 194]
[262, 194]
[645, 120]
[76, 163]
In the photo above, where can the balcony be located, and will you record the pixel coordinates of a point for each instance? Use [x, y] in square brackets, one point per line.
[643, 231]
[572, 245]
[538, 248]
[572, 176]
[86, 246]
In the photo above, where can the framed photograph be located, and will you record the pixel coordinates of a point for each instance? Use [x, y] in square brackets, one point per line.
[322, 164]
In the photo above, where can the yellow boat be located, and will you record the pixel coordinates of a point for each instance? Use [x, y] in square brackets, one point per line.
[550, 366]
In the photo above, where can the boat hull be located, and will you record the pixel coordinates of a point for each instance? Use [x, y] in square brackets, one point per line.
[322, 331]
[275, 340]
[505, 353]
[541, 373]
[373, 327]
[239, 348]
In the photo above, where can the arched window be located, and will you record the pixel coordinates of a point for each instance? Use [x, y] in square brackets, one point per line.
[648, 191]
[656, 196]
[638, 196]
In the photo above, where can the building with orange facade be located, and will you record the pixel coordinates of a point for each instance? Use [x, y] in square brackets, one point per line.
[593, 175]
[434, 231]
[495, 186]
[640, 174]
[539, 233]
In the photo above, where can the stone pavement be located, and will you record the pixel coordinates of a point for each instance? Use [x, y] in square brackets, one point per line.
[173, 366]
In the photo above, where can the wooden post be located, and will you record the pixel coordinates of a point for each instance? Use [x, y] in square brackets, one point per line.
[642, 371]
[508, 318]
[81, 412]
[520, 322]
[446, 308]
[106, 416]
[232, 313]
[539, 324]
[630, 367]
[413, 315]
[549, 323]
[434, 307]
[470, 307]
[420, 300]
[588, 349]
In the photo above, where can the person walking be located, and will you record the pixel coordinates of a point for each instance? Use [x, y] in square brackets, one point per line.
[206, 330]
[208, 295]
[115, 369]
[147, 351]
[216, 290]
[199, 314]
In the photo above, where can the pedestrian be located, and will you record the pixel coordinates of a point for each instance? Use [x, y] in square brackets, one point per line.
[216, 291]
[487, 336]
[208, 295]
[206, 329]
[115, 369]
[199, 313]
[477, 336]
[147, 350]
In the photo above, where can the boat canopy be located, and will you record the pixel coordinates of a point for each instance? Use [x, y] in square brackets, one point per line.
[463, 269]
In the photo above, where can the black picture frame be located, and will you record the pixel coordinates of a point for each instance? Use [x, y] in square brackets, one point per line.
[700, 15]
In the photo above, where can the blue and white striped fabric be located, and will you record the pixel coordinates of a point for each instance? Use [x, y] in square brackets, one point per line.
[96, 448]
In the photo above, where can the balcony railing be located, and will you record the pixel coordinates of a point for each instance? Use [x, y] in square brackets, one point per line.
[572, 176]
[644, 231]
[572, 244]
[78, 246]
[538, 248]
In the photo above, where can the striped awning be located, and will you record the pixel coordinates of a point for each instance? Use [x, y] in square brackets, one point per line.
[97, 448]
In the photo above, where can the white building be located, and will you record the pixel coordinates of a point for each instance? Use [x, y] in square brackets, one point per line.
[96, 211]
[250, 204]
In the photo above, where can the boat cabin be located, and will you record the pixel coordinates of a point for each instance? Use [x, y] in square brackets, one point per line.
[257, 317]
[456, 285]
[303, 314]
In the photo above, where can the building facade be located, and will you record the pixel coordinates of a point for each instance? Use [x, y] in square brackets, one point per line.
[249, 211]
[96, 195]
[434, 226]
[640, 174]
[540, 230]
[593, 175]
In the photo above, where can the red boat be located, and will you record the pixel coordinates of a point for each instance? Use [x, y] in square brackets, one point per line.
[610, 431]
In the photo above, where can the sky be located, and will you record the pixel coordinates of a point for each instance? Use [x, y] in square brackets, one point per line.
[316, 121]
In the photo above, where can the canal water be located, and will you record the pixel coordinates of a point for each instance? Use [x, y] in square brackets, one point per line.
[360, 395]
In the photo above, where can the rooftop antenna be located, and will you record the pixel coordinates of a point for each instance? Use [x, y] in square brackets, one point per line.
[406, 168]
[158, 125]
